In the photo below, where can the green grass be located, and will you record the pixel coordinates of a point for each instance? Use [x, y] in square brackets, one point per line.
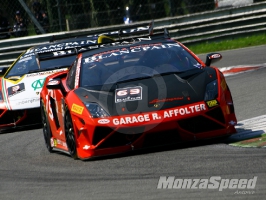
[206, 47]
[252, 142]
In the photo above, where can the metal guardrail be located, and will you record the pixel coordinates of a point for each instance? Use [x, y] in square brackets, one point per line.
[189, 29]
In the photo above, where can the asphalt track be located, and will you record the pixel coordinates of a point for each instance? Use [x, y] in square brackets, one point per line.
[28, 171]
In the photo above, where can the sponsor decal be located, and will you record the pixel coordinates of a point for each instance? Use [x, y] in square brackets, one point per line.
[215, 56]
[212, 103]
[30, 101]
[63, 107]
[53, 82]
[135, 49]
[52, 142]
[166, 100]
[16, 89]
[77, 109]
[55, 142]
[198, 65]
[127, 31]
[133, 119]
[214, 182]
[45, 72]
[128, 94]
[61, 46]
[86, 147]
[171, 113]
[51, 94]
[232, 122]
[38, 84]
[61, 53]
[103, 121]
[77, 72]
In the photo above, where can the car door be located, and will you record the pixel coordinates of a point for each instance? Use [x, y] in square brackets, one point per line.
[56, 107]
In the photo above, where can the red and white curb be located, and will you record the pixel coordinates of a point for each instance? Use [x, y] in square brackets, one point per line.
[249, 128]
[234, 70]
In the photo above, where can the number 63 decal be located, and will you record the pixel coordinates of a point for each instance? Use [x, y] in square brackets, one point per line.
[128, 94]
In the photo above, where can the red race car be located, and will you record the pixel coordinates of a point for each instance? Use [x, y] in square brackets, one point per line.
[134, 93]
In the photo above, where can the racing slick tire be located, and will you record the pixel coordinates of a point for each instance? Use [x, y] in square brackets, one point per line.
[70, 135]
[46, 128]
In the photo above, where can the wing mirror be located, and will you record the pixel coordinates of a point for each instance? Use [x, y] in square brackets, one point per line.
[54, 84]
[212, 58]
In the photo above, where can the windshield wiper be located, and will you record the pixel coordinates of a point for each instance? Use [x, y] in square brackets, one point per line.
[134, 79]
[180, 73]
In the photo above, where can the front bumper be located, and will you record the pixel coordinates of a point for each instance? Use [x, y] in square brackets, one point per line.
[15, 118]
[107, 140]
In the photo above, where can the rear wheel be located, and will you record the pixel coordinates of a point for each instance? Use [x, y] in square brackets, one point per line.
[46, 128]
[70, 135]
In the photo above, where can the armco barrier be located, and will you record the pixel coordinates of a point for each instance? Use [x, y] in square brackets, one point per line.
[189, 29]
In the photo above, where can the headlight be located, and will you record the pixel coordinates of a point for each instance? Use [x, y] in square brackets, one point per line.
[211, 91]
[95, 110]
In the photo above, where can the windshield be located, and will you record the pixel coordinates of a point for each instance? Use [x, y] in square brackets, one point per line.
[135, 63]
[27, 63]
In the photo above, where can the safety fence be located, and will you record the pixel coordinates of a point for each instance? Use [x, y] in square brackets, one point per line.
[212, 25]
[65, 15]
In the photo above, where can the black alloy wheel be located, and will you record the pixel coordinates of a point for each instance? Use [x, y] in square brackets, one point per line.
[70, 135]
[46, 128]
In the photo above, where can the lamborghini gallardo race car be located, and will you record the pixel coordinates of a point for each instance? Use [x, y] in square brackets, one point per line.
[21, 83]
[133, 94]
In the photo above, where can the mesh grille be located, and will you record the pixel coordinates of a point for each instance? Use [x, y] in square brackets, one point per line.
[123, 136]
[199, 124]
[162, 138]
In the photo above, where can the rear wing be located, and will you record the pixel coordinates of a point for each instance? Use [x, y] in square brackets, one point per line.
[103, 40]
[133, 30]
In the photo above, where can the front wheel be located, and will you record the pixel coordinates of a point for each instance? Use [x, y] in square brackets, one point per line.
[70, 135]
[46, 128]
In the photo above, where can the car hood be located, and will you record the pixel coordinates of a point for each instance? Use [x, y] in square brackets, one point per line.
[24, 92]
[150, 94]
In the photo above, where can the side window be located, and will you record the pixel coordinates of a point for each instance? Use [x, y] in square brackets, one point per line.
[71, 76]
